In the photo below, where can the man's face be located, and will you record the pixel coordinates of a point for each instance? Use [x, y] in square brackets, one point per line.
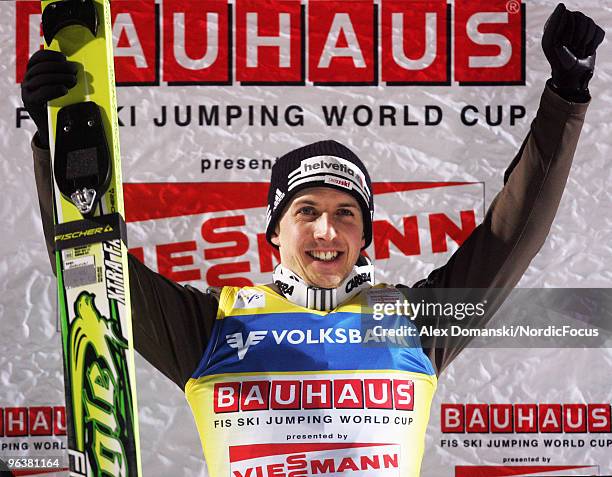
[320, 235]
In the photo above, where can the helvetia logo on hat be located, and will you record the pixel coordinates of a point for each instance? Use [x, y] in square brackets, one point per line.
[326, 169]
[335, 165]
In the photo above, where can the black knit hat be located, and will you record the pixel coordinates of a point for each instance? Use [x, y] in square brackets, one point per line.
[320, 164]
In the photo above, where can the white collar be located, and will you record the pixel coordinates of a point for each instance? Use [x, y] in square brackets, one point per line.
[296, 290]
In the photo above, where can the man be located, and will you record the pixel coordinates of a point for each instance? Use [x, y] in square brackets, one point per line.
[279, 377]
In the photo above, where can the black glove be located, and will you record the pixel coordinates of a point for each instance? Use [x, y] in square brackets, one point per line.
[48, 76]
[569, 43]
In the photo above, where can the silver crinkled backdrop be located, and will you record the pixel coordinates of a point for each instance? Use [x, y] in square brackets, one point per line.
[577, 253]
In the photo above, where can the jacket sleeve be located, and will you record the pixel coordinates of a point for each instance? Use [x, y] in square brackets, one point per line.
[499, 250]
[171, 323]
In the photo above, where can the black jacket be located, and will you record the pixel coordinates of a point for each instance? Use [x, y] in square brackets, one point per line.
[172, 323]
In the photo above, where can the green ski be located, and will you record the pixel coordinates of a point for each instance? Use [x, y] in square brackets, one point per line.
[91, 251]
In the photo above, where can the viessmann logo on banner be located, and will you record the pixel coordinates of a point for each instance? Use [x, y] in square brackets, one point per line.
[306, 42]
[527, 470]
[213, 232]
[268, 460]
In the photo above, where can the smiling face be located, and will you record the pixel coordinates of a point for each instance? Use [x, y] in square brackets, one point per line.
[320, 236]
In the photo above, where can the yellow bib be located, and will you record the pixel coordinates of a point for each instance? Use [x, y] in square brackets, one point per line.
[287, 391]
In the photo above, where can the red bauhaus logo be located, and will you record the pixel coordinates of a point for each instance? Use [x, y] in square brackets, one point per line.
[289, 42]
[297, 394]
[526, 418]
[32, 421]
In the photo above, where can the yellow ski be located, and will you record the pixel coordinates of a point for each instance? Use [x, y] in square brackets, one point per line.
[91, 250]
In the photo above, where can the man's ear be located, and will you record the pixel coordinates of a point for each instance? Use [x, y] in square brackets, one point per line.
[275, 239]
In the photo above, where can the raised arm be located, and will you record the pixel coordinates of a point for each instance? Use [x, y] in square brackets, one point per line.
[499, 250]
[497, 253]
[171, 323]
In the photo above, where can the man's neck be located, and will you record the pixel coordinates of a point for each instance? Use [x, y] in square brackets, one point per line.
[295, 289]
